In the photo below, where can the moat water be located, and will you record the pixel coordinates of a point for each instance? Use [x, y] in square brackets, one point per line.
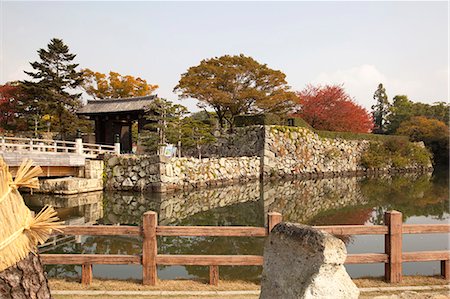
[422, 198]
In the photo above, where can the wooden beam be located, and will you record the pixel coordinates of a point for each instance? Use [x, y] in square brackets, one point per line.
[209, 260]
[99, 230]
[367, 258]
[426, 256]
[393, 246]
[80, 259]
[210, 231]
[86, 274]
[149, 248]
[426, 228]
[273, 218]
[445, 269]
[341, 230]
[214, 275]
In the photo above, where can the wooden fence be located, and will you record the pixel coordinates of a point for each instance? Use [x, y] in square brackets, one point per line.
[90, 150]
[393, 256]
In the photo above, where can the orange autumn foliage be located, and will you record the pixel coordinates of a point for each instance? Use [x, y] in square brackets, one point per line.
[330, 108]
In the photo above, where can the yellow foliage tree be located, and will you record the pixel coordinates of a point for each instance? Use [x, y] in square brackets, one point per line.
[115, 85]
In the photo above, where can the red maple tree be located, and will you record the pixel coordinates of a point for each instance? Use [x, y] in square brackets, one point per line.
[330, 108]
[8, 105]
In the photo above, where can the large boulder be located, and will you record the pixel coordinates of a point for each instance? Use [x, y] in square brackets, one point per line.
[303, 262]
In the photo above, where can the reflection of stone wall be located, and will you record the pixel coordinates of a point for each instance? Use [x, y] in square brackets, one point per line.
[300, 201]
[174, 207]
[73, 209]
[181, 205]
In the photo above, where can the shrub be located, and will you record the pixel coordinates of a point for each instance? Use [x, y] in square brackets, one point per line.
[395, 152]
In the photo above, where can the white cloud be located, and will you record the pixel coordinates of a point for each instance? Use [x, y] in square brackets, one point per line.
[360, 82]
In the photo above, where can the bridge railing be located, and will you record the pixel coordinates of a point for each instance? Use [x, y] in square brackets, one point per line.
[19, 144]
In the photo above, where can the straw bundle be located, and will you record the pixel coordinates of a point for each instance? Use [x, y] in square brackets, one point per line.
[20, 232]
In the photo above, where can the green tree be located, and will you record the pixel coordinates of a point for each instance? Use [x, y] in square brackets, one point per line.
[434, 133]
[402, 109]
[114, 85]
[234, 85]
[53, 85]
[165, 124]
[380, 109]
[197, 133]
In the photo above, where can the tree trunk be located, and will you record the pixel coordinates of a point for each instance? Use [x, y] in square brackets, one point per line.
[25, 280]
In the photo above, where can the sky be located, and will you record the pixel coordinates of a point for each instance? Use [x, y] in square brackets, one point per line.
[403, 45]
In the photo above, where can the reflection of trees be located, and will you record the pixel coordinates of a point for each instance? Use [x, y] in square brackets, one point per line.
[249, 214]
[410, 194]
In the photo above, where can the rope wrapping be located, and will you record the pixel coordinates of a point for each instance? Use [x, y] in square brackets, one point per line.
[21, 232]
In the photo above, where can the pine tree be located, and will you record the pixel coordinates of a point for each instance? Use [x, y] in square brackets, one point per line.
[165, 122]
[52, 90]
[380, 109]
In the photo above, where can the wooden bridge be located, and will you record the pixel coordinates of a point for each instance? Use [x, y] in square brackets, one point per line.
[56, 157]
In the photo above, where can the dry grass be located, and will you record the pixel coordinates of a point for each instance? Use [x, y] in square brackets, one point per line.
[159, 297]
[372, 282]
[224, 285]
[162, 285]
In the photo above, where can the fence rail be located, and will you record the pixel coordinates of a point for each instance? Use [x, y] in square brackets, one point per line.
[393, 257]
[90, 150]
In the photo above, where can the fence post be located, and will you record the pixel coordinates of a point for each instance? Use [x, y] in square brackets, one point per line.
[117, 144]
[86, 274]
[214, 275]
[149, 248]
[31, 144]
[445, 269]
[3, 144]
[273, 219]
[393, 246]
[79, 146]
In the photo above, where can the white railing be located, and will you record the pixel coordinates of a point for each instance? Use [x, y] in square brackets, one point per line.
[90, 150]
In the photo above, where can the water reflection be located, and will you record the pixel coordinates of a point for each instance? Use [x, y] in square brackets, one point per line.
[421, 198]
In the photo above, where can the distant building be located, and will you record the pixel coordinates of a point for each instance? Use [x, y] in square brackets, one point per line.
[116, 116]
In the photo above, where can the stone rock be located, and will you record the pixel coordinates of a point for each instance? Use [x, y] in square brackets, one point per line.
[113, 161]
[127, 183]
[117, 171]
[302, 262]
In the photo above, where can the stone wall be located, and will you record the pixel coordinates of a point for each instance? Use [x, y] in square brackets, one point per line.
[244, 141]
[299, 152]
[160, 174]
[249, 153]
[293, 151]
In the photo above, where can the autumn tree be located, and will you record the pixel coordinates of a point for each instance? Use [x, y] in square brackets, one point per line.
[330, 108]
[380, 110]
[114, 85]
[9, 106]
[434, 133]
[234, 85]
[402, 109]
[52, 89]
